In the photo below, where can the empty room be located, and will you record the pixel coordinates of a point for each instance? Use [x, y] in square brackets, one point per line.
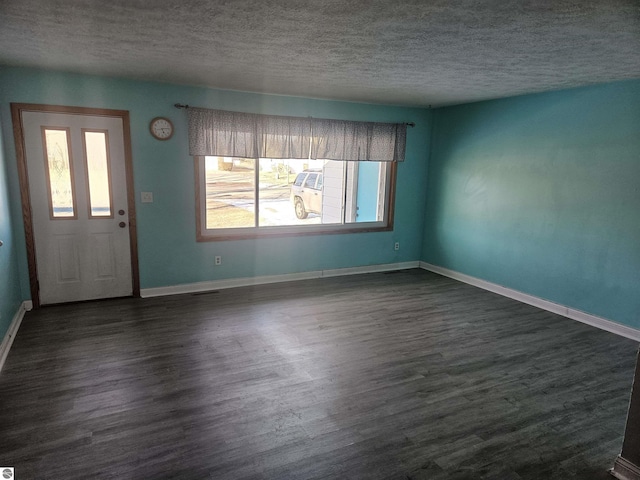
[319, 240]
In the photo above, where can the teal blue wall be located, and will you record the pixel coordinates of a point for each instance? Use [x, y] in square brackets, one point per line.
[169, 254]
[10, 294]
[541, 194]
[538, 193]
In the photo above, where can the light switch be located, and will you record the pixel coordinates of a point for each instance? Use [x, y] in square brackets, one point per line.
[146, 197]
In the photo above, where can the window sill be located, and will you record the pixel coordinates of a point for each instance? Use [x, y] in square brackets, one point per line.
[278, 232]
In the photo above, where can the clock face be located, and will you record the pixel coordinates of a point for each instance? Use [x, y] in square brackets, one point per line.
[161, 128]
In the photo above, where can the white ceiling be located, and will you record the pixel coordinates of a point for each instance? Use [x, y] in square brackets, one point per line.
[413, 52]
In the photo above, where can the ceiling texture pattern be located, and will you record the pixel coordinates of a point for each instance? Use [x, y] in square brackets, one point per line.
[412, 52]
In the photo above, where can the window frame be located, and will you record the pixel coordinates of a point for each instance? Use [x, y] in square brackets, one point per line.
[243, 233]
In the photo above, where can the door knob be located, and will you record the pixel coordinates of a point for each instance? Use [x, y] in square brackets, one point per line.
[122, 224]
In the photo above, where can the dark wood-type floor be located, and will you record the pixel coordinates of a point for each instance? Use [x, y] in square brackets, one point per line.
[404, 375]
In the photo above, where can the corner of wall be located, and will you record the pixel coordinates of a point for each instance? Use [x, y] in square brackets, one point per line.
[10, 290]
[429, 198]
[538, 193]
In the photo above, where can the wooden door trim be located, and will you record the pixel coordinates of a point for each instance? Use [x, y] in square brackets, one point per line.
[17, 110]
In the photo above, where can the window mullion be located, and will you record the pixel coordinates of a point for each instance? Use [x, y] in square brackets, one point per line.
[345, 171]
[256, 191]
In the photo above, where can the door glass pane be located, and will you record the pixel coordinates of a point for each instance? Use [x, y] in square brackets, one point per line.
[98, 175]
[59, 172]
[230, 192]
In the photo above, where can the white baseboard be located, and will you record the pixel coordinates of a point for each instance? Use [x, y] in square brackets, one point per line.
[7, 341]
[572, 313]
[553, 307]
[623, 469]
[265, 279]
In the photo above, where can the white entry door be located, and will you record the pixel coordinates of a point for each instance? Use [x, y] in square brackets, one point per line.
[78, 196]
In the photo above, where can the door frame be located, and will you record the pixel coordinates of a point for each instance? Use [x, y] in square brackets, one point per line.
[17, 109]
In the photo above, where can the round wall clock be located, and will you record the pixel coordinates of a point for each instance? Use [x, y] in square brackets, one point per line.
[161, 128]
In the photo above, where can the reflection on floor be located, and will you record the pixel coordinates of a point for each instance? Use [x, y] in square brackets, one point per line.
[403, 375]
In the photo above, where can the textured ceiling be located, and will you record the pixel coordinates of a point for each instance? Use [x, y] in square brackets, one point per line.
[398, 52]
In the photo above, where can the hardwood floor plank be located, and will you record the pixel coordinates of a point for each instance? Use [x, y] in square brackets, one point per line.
[403, 375]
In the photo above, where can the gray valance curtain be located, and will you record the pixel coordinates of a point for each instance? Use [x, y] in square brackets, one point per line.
[234, 134]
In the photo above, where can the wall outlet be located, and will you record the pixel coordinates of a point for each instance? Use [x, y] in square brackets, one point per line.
[146, 197]
[218, 260]
[396, 246]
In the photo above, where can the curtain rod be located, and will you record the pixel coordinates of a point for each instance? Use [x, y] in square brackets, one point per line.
[180, 105]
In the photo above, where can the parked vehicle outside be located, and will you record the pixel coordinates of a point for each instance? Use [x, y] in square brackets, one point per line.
[306, 193]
